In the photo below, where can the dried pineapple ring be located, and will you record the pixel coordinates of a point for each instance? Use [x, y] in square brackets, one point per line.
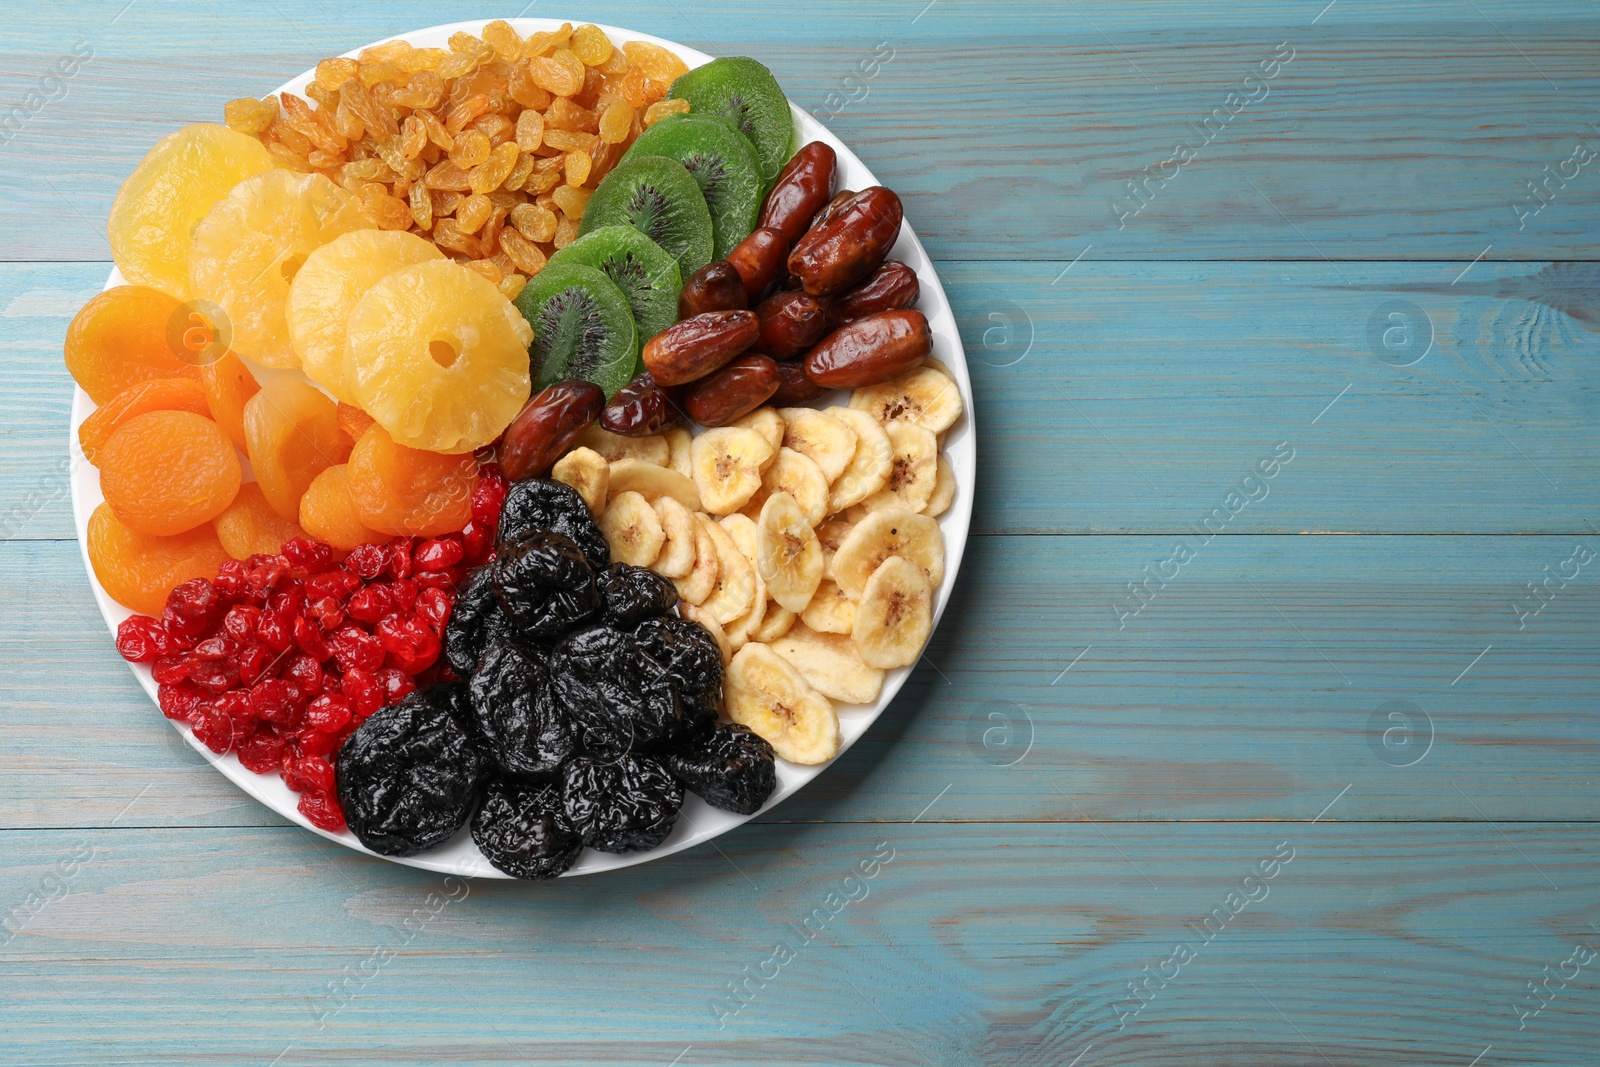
[170, 190]
[438, 357]
[335, 277]
[249, 247]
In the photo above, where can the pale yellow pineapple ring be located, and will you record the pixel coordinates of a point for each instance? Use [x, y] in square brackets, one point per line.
[438, 357]
[324, 292]
[168, 193]
[249, 247]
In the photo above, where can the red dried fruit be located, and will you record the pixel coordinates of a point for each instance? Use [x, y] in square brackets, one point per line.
[170, 669]
[327, 714]
[214, 729]
[308, 774]
[433, 607]
[261, 752]
[367, 561]
[322, 810]
[274, 700]
[355, 650]
[404, 591]
[488, 497]
[253, 663]
[363, 692]
[400, 557]
[179, 700]
[395, 684]
[305, 674]
[141, 639]
[192, 609]
[337, 584]
[438, 554]
[410, 645]
[306, 556]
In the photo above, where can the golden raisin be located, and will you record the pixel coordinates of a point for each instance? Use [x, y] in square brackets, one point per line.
[590, 44]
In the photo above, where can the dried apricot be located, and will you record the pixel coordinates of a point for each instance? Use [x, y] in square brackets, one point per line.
[229, 385]
[249, 526]
[353, 421]
[157, 394]
[400, 490]
[170, 191]
[166, 472]
[119, 338]
[293, 434]
[138, 571]
[328, 512]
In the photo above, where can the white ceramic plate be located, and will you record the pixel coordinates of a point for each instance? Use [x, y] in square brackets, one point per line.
[699, 821]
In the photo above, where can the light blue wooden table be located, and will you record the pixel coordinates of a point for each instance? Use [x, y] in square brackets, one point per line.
[1319, 788]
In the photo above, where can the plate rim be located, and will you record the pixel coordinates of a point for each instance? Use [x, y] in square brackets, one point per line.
[955, 528]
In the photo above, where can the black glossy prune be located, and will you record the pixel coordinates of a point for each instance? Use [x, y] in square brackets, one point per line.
[544, 585]
[624, 805]
[542, 504]
[687, 653]
[629, 595]
[409, 777]
[520, 829]
[731, 769]
[619, 699]
[525, 729]
[464, 634]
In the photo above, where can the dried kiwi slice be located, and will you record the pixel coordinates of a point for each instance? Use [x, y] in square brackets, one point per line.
[642, 269]
[582, 327]
[656, 196]
[745, 93]
[724, 163]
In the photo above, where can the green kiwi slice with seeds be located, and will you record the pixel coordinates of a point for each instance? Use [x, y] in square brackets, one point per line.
[582, 327]
[642, 269]
[724, 164]
[658, 197]
[745, 93]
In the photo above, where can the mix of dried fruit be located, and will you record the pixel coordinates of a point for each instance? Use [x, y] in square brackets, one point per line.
[447, 231]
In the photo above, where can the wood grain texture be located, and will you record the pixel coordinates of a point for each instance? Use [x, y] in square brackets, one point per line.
[1366, 950]
[1079, 773]
[1395, 132]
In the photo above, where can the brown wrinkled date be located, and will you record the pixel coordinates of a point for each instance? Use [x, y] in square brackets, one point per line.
[840, 199]
[640, 408]
[891, 287]
[733, 392]
[758, 259]
[803, 187]
[843, 250]
[871, 350]
[717, 286]
[695, 347]
[791, 322]
[794, 388]
[547, 426]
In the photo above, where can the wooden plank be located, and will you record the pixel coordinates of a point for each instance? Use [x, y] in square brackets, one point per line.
[1255, 684]
[969, 944]
[1013, 131]
[1132, 398]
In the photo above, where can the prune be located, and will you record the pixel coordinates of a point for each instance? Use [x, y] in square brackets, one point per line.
[619, 699]
[540, 504]
[409, 777]
[464, 634]
[688, 654]
[520, 830]
[544, 585]
[515, 710]
[731, 769]
[629, 595]
[627, 805]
